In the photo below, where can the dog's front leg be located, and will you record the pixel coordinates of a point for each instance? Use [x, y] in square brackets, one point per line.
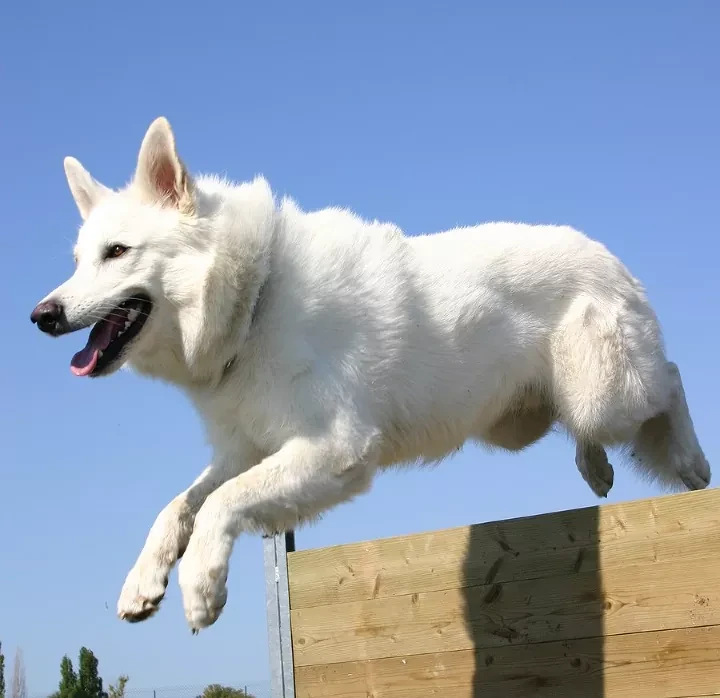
[146, 582]
[305, 477]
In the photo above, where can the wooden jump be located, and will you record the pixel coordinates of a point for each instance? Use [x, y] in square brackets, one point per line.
[617, 601]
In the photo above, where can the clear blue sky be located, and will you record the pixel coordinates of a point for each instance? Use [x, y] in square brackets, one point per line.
[428, 114]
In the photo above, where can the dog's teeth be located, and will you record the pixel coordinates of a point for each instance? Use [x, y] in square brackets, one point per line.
[132, 315]
[127, 324]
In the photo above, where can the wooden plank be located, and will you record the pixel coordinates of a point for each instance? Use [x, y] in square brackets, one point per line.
[660, 596]
[527, 548]
[669, 664]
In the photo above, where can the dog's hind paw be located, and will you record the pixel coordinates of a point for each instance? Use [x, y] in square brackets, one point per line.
[141, 594]
[601, 482]
[592, 462]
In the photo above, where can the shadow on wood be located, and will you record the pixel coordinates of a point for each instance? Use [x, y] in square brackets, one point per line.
[532, 588]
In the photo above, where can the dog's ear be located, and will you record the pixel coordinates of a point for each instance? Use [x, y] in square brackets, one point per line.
[85, 190]
[161, 174]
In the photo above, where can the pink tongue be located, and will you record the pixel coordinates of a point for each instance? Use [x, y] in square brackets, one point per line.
[84, 362]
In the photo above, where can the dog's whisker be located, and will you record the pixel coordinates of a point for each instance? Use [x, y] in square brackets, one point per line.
[106, 313]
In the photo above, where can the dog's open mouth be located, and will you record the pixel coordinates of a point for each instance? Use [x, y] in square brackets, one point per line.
[109, 337]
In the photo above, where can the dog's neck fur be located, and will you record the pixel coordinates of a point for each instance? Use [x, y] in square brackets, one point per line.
[234, 226]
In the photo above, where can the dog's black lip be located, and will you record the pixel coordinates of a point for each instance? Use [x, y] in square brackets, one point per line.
[117, 347]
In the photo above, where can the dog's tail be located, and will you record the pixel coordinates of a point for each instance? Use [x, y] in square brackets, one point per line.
[666, 447]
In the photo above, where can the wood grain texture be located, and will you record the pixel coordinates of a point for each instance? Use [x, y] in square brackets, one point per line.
[621, 601]
[529, 548]
[640, 598]
[669, 664]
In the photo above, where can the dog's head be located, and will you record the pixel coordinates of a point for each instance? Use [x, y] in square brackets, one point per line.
[132, 260]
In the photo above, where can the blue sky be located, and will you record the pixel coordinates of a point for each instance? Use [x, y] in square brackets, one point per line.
[604, 116]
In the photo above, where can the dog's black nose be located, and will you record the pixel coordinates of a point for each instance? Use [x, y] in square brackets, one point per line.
[49, 317]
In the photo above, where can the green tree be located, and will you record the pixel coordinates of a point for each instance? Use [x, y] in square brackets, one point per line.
[117, 690]
[68, 687]
[215, 690]
[2, 673]
[89, 683]
[18, 687]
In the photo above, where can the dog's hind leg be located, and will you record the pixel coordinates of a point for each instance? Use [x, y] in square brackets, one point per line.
[666, 446]
[592, 462]
[609, 378]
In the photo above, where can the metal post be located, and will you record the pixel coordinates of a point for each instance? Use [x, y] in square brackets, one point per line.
[277, 598]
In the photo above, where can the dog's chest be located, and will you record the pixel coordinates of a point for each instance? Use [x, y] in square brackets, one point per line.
[247, 409]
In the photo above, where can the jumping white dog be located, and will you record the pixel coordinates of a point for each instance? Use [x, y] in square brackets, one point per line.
[320, 348]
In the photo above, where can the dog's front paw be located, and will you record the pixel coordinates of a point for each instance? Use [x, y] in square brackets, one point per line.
[142, 593]
[202, 576]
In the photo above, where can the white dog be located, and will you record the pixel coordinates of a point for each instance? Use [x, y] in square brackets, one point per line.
[319, 348]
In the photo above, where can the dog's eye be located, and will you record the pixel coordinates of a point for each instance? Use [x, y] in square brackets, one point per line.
[115, 251]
